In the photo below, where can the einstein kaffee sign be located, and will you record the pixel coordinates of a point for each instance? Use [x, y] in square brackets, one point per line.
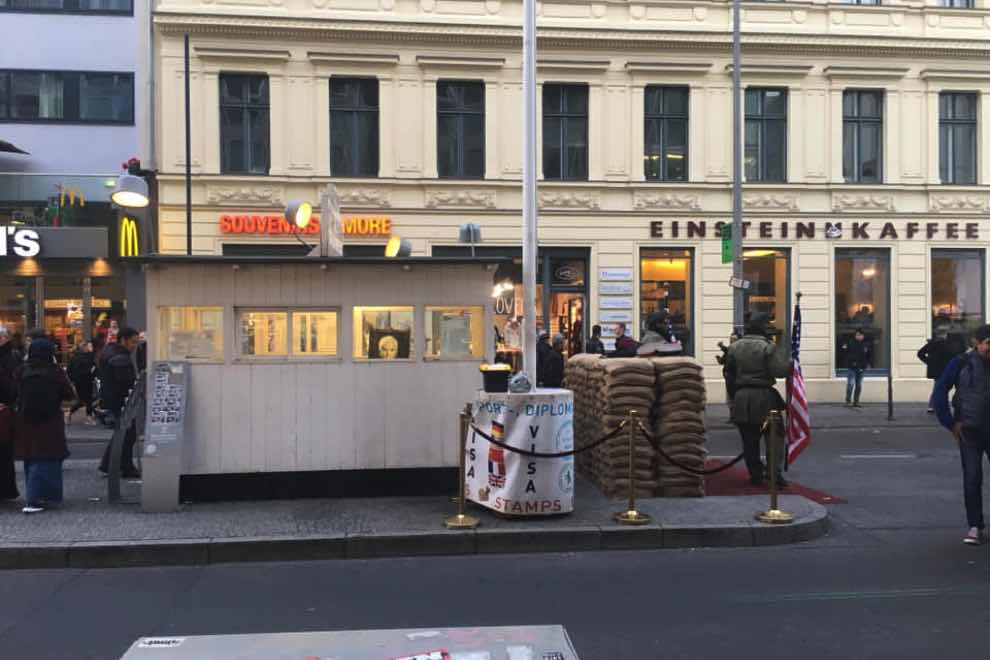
[811, 229]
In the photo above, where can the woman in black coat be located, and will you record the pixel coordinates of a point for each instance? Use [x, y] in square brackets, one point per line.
[9, 361]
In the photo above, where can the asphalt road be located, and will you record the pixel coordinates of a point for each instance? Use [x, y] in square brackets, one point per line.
[891, 581]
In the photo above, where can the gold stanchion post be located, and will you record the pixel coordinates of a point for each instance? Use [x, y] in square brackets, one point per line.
[774, 515]
[462, 520]
[631, 516]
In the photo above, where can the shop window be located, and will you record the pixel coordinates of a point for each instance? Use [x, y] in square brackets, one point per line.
[264, 334]
[666, 283]
[862, 302]
[958, 294]
[455, 333]
[245, 138]
[765, 156]
[77, 97]
[461, 129]
[768, 272]
[383, 333]
[108, 305]
[862, 136]
[354, 127]
[957, 137]
[314, 334]
[191, 333]
[666, 133]
[565, 132]
[17, 304]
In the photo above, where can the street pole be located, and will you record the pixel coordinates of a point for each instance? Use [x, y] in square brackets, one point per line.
[189, 238]
[737, 168]
[529, 189]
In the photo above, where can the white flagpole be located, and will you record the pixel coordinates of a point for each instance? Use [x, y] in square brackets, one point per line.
[529, 189]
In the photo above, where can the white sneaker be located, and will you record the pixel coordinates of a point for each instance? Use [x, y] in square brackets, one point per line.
[974, 537]
[32, 509]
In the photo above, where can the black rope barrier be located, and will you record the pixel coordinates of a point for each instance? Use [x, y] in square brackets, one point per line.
[704, 473]
[561, 454]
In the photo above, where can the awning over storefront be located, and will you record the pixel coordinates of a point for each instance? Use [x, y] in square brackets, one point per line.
[7, 147]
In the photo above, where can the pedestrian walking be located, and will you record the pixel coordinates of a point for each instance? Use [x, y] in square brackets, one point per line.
[82, 368]
[595, 344]
[39, 428]
[550, 361]
[936, 354]
[117, 376]
[752, 365]
[10, 360]
[859, 358]
[967, 376]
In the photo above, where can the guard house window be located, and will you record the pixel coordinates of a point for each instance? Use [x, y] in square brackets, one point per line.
[245, 138]
[862, 302]
[461, 129]
[565, 132]
[282, 333]
[666, 282]
[191, 333]
[67, 97]
[314, 334]
[766, 135]
[958, 295]
[958, 4]
[354, 127]
[383, 333]
[768, 272]
[455, 333]
[666, 133]
[957, 137]
[264, 334]
[125, 7]
[862, 136]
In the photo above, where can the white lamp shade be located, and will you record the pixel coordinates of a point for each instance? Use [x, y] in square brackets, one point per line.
[299, 213]
[131, 192]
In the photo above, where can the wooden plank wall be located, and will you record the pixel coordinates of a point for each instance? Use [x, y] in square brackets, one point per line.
[314, 414]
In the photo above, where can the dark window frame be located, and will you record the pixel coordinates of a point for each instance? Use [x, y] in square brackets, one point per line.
[459, 114]
[764, 119]
[951, 123]
[354, 111]
[245, 107]
[884, 255]
[691, 254]
[564, 116]
[7, 81]
[76, 11]
[859, 121]
[663, 120]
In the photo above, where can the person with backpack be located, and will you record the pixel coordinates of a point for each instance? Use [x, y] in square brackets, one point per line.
[118, 373]
[968, 419]
[39, 428]
[81, 369]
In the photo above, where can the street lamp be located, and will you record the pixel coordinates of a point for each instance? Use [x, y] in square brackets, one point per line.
[299, 213]
[469, 232]
[398, 247]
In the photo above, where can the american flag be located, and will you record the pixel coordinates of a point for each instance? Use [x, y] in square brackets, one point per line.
[798, 420]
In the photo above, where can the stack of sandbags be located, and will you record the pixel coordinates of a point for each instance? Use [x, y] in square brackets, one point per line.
[679, 425]
[583, 375]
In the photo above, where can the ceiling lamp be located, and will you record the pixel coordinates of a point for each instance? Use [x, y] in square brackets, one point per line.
[131, 191]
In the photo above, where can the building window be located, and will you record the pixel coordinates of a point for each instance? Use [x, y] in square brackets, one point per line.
[461, 130]
[455, 333]
[958, 4]
[191, 333]
[958, 294]
[354, 127]
[125, 7]
[245, 138]
[666, 133]
[67, 96]
[666, 282]
[957, 137]
[862, 302]
[565, 132]
[862, 136]
[768, 272]
[766, 135]
[383, 333]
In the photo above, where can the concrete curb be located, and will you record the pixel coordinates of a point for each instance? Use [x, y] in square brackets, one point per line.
[378, 545]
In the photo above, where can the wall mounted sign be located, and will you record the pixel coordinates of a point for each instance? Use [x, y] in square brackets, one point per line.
[615, 274]
[18, 241]
[811, 230]
[615, 288]
[569, 273]
[615, 317]
[270, 225]
[615, 303]
[128, 235]
[367, 225]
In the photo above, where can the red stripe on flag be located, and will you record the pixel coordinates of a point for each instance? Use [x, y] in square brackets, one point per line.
[798, 418]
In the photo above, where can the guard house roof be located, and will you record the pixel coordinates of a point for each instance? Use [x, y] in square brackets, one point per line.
[166, 259]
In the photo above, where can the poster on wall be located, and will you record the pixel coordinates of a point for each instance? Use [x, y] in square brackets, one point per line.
[615, 274]
[615, 288]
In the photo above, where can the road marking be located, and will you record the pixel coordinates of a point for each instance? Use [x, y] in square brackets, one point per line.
[924, 592]
[858, 456]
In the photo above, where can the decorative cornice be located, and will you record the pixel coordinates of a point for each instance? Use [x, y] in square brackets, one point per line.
[771, 202]
[460, 62]
[774, 70]
[238, 195]
[571, 65]
[375, 59]
[955, 75]
[364, 197]
[865, 72]
[460, 198]
[657, 201]
[668, 67]
[957, 203]
[210, 53]
[570, 200]
[842, 202]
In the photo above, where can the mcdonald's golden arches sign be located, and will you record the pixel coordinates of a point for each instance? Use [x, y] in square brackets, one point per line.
[129, 246]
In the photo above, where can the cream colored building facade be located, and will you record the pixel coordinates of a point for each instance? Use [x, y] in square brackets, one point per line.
[883, 266]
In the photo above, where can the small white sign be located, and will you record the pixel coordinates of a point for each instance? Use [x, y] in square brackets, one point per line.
[739, 283]
[615, 303]
[619, 289]
[615, 274]
[609, 344]
[160, 642]
[615, 317]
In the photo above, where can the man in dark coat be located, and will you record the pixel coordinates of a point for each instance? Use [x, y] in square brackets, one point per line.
[9, 362]
[752, 365]
[936, 354]
[859, 358]
[625, 346]
[81, 369]
[550, 361]
[595, 344]
[117, 376]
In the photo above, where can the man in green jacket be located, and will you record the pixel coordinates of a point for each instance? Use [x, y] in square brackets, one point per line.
[752, 365]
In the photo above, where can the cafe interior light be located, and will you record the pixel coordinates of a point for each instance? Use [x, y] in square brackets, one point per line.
[755, 254]
[299, 213]
[869, 272]
[502, 287]
[398, 247]
[131, 191]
